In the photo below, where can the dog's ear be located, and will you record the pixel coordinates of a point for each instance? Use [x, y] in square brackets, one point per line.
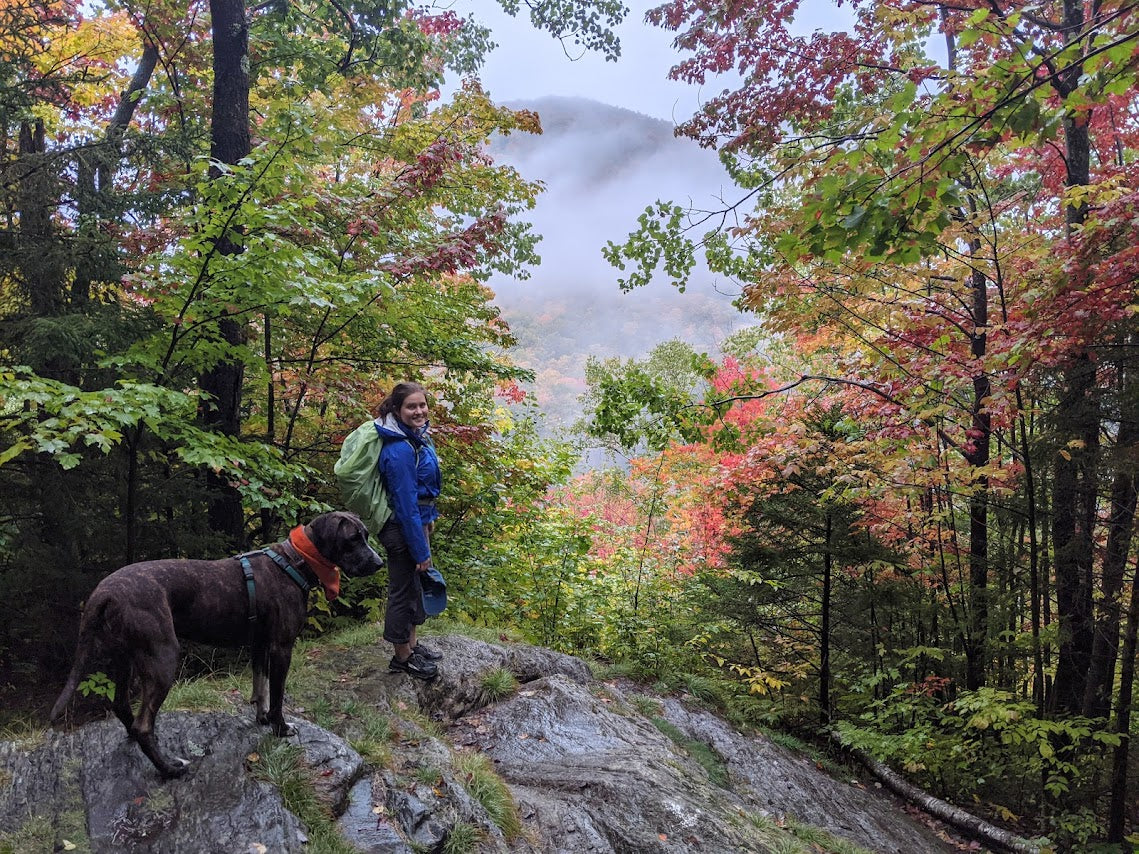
[358, 524]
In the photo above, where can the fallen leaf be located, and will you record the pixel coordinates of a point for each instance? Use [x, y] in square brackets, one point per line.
[253, 757]
[523, 735]
[257, 848]
[663, 837]
[68, 846]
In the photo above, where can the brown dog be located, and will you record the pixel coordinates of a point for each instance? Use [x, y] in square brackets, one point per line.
[136, 614]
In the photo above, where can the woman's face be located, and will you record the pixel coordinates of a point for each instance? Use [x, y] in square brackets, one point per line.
[413, 410]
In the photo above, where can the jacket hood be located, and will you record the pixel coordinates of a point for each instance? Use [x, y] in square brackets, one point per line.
[391, 427]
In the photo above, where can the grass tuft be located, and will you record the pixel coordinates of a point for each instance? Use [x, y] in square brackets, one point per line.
[374, 739]
[463, 838]
[498, 684]
[817, 839]
[704, 754]
[202, 694]
[428, 775]
[705, 689]
[484, 785]
[353, 637]
[281, 764]
[647, 706]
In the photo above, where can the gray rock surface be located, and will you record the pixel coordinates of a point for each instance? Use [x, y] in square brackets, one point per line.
[220, 807]
[592, 766]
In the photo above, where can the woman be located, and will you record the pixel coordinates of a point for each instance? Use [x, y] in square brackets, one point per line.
[410, 470]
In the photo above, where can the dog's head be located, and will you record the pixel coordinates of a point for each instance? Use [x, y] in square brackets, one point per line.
[342, 539]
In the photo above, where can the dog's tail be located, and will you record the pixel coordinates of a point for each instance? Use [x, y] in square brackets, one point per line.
[88, 629]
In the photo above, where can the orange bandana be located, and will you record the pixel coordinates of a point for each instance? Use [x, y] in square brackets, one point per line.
[328, 573]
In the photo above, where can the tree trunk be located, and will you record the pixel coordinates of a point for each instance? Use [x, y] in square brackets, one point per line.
[1105, 641]
[1074, 494]
[1034, 590]
[229, 144]
[971, 824]
[976, 653]
[825, 626]
[1073, 505]
[1117, 815]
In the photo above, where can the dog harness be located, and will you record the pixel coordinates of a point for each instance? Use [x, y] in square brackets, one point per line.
[251, 587]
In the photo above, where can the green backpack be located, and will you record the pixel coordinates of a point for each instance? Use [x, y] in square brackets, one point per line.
[357, 471]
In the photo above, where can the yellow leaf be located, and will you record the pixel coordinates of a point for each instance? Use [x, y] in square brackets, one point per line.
[68, 846]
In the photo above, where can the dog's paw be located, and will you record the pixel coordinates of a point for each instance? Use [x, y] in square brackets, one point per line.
[177, 768]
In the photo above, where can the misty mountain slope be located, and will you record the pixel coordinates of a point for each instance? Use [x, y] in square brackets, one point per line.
[602, 166]
[593, 143]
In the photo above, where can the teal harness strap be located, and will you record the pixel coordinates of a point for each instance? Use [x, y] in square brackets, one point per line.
[290, 570]
[251, 589]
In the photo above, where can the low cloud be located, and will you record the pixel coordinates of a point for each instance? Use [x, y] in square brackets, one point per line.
[602, 166]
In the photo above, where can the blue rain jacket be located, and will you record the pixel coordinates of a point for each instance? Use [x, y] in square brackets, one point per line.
[410, 471]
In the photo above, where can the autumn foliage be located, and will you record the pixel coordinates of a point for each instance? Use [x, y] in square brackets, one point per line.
[936, 230]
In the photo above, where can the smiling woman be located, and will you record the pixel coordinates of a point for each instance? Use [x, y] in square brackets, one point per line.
[410, 472]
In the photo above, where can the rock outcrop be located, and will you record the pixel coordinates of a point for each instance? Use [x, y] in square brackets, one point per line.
[592, 767]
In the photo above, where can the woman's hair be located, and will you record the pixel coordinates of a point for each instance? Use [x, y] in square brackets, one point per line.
[394, 401]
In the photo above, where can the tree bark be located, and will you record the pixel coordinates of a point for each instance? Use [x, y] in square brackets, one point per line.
[1105, 640]
[1074, 494]
[1117, 815]
[976, 652]
[229, 144]
[825, 626]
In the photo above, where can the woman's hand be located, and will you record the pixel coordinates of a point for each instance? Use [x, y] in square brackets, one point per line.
[423, 567]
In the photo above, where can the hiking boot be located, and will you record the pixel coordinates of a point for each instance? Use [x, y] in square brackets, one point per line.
[414, 665]
[427, 652]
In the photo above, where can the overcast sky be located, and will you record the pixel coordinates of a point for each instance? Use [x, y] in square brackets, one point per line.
[528, 64]
[578, 212]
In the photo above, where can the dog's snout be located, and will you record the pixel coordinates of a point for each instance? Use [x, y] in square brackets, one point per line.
[362, 561]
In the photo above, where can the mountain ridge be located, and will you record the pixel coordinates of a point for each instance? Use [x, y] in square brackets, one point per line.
[602, 165]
